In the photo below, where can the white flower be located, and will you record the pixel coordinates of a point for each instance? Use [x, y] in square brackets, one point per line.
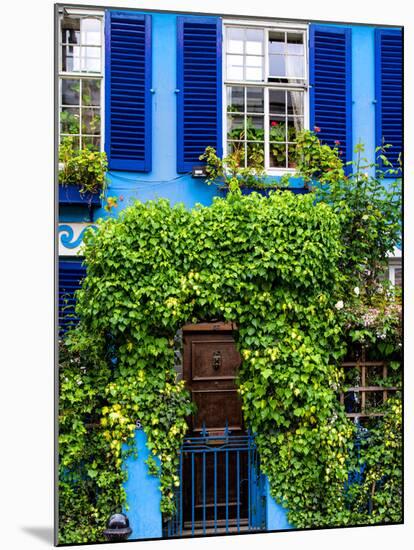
[356, 290]
[339, 305]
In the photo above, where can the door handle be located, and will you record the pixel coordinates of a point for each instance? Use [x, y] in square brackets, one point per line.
[216, 360]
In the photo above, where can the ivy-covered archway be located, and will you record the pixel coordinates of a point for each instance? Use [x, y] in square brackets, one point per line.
[268, 264]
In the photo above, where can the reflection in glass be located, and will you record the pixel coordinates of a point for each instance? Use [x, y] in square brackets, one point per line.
[70, 28]
[254, 41]
[91, 121]
[235, 39]
[255, 100]
[294, 66]
[70, 91]
[235, 99]
[73, 140]
[91, 142]
[235, 127]
[277, 65]
[277, 102]
[69, 120]
[295, 103]
[91, 31]
[295, 125]
[276, 42]
[255, 154]
[235, 67]
[91, 92]
[277, 155]
[71, 58]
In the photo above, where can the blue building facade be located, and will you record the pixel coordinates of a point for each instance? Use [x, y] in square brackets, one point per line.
[154, 89]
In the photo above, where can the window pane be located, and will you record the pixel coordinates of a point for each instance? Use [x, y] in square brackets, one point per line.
[277, 128]
[235, 39]
[295, 125]
[295, 103]
[294, 43]
[91, 121]
[235, 67]
[276, 42]
[71, 58]
[277, 155]
[235, 99]
[238, 149]
[255, 154]
[235, 127]
[91, 92]
[277, 99]
[70, 91]
[73, 140]
[254, 41]
[255, 128]
[294, 66]
[91, 60]
[91, 142]
[292, 155]
[254, 74]
[70, 30]
[69, 120]
[255, 100]
[91, 31]
[277, 65]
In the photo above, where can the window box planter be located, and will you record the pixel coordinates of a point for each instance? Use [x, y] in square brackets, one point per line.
[265, 192]
[70, 194]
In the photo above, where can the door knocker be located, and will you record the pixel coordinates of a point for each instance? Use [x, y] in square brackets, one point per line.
[216, 360]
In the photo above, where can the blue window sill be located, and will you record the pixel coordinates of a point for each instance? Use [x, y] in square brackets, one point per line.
[70, 194]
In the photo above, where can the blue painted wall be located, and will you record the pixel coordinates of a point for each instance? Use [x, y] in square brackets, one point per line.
[276, 515]
[143, 494]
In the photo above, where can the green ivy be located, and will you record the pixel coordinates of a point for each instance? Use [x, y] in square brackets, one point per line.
[270, 264]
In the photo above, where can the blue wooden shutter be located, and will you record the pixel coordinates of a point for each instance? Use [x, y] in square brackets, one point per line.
[71, 274]
[331, 90]
[128, 91]
[199, 83]
[388, 91]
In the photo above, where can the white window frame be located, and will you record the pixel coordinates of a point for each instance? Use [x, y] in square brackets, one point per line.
[266, 26]
[83, 13]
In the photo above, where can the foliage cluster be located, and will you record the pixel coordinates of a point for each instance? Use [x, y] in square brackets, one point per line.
[84, 168]
[269, 263]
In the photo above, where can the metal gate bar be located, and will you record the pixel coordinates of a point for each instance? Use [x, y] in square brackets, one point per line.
[210, 450]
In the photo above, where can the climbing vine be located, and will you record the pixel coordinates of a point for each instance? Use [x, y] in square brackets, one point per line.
[270, 264]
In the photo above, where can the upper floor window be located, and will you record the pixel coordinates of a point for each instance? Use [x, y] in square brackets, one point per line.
[266, 89]
[80, 80]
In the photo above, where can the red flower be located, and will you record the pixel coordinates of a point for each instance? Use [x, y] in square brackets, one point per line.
[274, 123]
[317, 129]
[337, 142]
[340, 152]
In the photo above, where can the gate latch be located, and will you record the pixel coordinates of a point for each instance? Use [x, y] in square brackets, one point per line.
[216, 360]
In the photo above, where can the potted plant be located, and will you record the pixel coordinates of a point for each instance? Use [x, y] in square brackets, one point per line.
[81, 174]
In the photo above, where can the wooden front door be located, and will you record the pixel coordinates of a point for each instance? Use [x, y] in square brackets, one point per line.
[214, 481]
[210, 368]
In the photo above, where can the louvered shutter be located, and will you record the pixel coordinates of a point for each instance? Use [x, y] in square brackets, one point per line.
[388, 89]
[71, 275]
[331, 91]
[128, 91]
[199, 83]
